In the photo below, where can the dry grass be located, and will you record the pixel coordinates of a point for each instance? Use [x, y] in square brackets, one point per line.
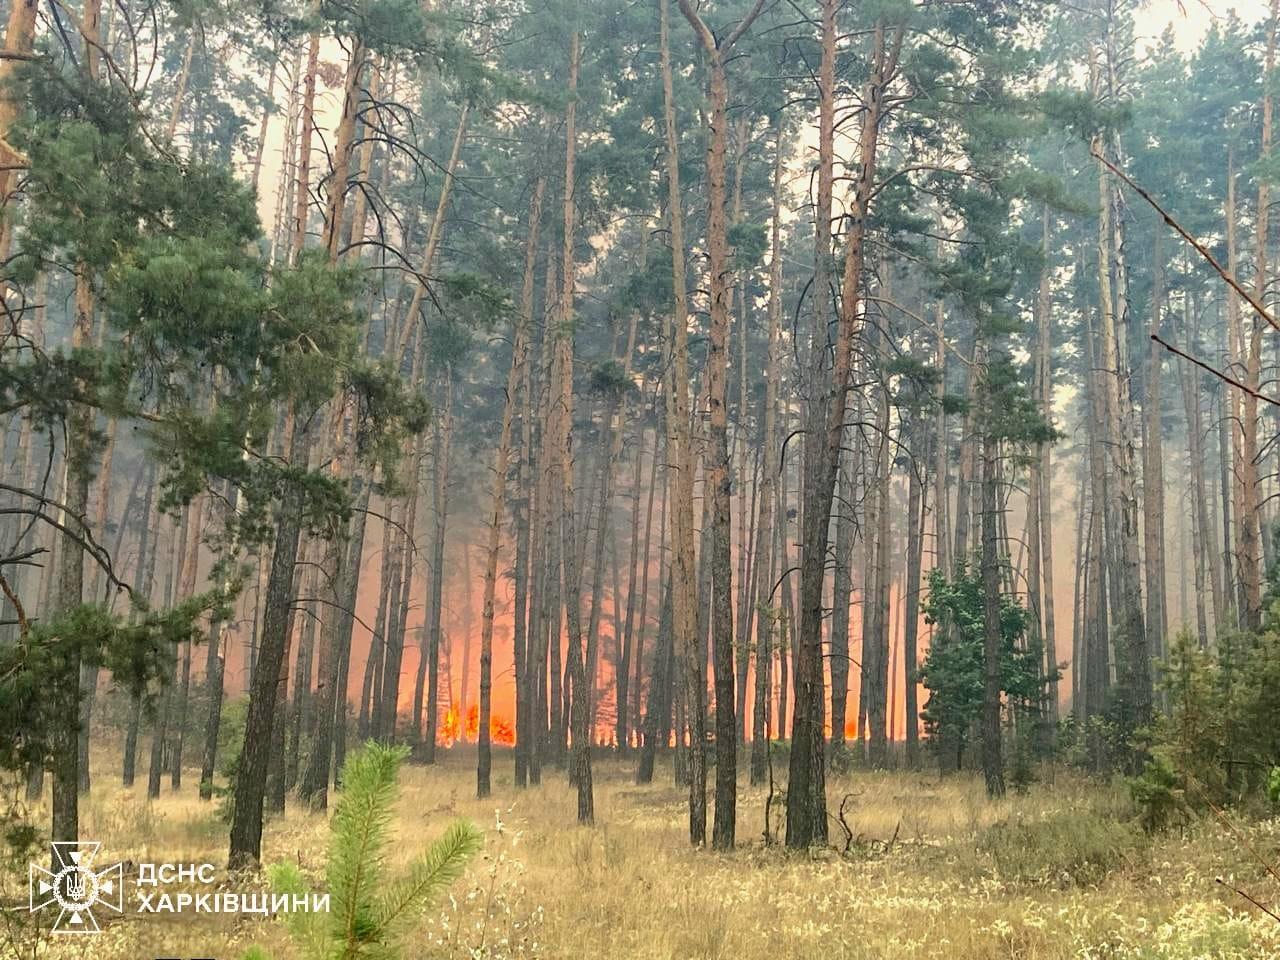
[1053, 874]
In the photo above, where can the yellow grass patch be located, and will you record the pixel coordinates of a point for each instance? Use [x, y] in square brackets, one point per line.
[1051, 875]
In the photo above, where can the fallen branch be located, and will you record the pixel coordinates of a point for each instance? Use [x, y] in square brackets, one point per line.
[1256, 903]
[1199, 248]
[1224, 377]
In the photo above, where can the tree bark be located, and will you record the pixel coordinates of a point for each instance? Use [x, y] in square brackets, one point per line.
[917, 510]
[992, 764]
[680, 466]
[1133, 652]
[441, 460]
[250, 788]
[806, 791]
[302, 196]
[576, 655]
[1153, 467]
[764, 537]
[515, 379]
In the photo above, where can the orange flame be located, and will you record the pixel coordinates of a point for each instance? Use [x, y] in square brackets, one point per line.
[500, 731]
[452, 728]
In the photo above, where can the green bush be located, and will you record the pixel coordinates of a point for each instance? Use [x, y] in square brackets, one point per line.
[1158, 794]
[230, 745]
[1068, 848]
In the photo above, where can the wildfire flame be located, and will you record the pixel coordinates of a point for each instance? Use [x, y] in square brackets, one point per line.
[450, 728]
[500, 731]
[453, 729]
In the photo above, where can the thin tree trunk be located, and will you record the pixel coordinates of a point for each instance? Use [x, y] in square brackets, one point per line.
[806, 791]
[680, 466]
[441, 459]
[302, 197]
[628, 648]
[1133, 652]
[992, 764]
[175, 109]
[576, 655]
[250, 787]
[147, 542]
[842, 596]
[765, 534]
[1044, 474]
[434, 234]
[515, 379]
[1196, 486]
[657, 719]
[659, 456]
[917, 511]
[19, 41]
[1153, 467]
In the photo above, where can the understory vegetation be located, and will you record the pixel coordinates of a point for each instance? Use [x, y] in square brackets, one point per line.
[1063, 871]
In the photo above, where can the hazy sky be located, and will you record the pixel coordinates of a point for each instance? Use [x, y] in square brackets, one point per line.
[1192, 18]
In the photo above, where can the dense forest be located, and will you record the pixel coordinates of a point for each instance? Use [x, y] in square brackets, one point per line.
[734, 401]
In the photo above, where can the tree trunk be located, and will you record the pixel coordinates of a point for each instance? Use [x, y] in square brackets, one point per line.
[77, 467]
[680, 466]
[302, 196]
[434, 234]
[657, 719]
[580, 765]
[941, 452]
[19, 41]
[148, 532]
[343, 149]
[521, 640]
[441, 458]
[764, 536]
[659, 456]
[917, 510]
[992, 764]
[300, 707]
[1097, 669]
[615, 418]
[351, 589]
[390, 710]
[806, 791]
[1153, 467]
[628, 649]
[251, 781]
[842, 596]
[1197, 492]
[1131, 642]
[875, 647]
[1044, 474]
[515, 379]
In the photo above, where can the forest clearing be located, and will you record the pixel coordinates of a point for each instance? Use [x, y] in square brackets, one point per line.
[1041, 876]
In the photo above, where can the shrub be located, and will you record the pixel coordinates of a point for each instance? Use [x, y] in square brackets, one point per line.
[1066, 848]
[952, 670]
[230, 746]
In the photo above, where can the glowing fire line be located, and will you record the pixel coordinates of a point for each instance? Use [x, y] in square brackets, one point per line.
[452, 729]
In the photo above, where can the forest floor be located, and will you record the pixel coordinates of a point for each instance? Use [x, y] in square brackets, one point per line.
[933, 870]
